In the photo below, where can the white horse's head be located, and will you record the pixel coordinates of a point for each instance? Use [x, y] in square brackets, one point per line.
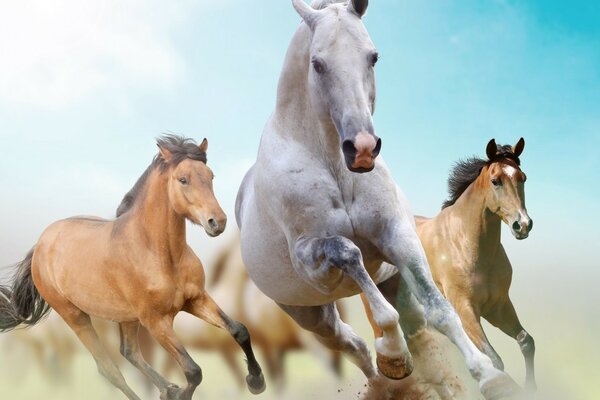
[341, 77]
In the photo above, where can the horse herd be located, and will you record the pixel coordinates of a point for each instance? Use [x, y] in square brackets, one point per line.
[320, 219]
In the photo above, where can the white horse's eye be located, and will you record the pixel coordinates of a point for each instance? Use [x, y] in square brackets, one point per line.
[496, 182]
[374, 58]
[318, 65]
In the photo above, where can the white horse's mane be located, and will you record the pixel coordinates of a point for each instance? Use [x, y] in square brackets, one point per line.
[320, 4]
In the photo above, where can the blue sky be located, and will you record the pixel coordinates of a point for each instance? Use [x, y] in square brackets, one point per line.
[85, 89]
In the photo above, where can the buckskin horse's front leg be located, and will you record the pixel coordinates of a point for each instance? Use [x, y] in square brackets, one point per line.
[401, 246]
[323, 262]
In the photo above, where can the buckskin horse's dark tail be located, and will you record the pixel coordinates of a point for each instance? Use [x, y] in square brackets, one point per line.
[21, 303]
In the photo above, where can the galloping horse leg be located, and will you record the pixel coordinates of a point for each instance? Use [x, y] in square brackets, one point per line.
[402, 247]
[205, 308]
[230, 360]
[472, 323]
[396, 291]
[320, 257]
[161, 329]
[505, 318]
[324, 321]
[274, 357]
[130, 349]
[81, 324]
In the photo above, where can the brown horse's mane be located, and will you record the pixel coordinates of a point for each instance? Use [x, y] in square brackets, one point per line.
[466, 171]
[181, 148]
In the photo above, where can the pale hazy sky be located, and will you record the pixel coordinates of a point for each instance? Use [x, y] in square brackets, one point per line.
[85, 87]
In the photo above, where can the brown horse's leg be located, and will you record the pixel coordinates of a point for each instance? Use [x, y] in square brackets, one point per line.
[82, 326]
[230, 360]
[205, 308]
[130, 349]
[472, 324]
[161, 329]
[505, 317]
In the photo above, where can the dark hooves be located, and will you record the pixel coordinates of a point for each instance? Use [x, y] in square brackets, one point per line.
[256, 384]
[394, 368]
[502, 387]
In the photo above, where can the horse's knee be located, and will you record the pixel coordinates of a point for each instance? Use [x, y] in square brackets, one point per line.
[240, 333]
[526, 343]
[126, 351]
[341, 251]
[193, 373]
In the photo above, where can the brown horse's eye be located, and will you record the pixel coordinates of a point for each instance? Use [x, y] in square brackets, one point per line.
[183, 180]
[318, 65]
[496, 182]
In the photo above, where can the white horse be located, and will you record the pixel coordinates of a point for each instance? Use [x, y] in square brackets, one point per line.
[320, 214]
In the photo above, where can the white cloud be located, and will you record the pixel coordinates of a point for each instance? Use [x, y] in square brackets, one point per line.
[53, 53]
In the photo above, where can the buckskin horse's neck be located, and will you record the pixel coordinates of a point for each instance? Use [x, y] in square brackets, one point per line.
[479, 227]
[163, 229]
[294, 115]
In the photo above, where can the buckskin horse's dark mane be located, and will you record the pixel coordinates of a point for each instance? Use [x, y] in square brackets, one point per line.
[466, 171]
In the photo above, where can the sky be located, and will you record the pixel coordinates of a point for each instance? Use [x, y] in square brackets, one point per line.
[86, 87]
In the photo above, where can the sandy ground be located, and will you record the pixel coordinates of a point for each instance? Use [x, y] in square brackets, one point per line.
[567, 351]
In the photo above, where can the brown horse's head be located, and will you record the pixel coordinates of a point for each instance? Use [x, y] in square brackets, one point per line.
[504, 183]
[190, 186]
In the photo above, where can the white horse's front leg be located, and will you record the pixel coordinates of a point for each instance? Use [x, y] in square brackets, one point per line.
[322, 261]
[402, 247]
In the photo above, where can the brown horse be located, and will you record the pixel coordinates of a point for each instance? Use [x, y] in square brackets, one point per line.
[462, 243]
[274, 333]
[137, 269]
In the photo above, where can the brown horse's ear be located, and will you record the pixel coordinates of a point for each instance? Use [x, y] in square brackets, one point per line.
[165, 154]
[491, 149]
[518, 149]
[204, 145]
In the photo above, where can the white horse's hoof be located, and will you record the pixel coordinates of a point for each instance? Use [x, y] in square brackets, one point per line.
[394, 368]
[500, 387]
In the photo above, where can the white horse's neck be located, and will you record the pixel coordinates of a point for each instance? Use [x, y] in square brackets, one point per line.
[295, 116]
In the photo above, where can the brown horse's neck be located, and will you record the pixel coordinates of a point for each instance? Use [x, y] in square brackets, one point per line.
[163, 229]
[479, 226]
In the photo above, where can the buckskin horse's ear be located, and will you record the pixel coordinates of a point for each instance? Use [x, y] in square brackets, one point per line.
[204, 145]
[491, 149]
[518, 149]
[358, 7]
[164, 153]
[307, 13]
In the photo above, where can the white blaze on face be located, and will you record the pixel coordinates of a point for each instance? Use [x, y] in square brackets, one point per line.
[509, 171]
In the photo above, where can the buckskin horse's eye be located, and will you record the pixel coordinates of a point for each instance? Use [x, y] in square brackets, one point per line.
[183, 180]
[496, 182]
[318, 65]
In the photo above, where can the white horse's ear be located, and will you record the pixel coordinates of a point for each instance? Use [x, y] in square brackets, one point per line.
[518, 149]
[305, 11]
[491, 149]
[204, 146]
[358, 7]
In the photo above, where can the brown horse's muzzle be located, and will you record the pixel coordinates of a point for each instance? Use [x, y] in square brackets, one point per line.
[360, 153]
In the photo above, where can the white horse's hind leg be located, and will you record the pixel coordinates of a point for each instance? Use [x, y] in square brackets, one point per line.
[402, 247]
[321, 257]
[324, 321]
